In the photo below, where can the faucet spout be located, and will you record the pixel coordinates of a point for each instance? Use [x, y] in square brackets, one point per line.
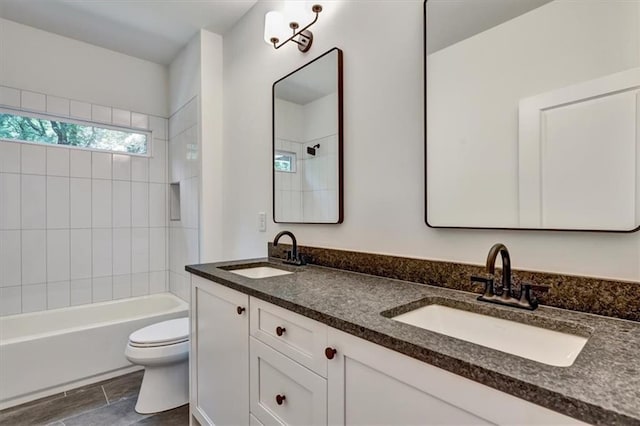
[501, 249]
[292, 256]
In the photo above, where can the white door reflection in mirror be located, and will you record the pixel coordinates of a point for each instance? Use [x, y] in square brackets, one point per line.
[307, 143]
[532, 116]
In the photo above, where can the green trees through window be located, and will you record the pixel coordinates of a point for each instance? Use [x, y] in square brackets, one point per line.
[58, 132]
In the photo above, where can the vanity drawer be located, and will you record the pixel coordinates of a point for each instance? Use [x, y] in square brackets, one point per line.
[300, 338]
[282, 392]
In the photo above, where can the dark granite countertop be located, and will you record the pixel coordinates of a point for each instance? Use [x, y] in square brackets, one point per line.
[602, 387]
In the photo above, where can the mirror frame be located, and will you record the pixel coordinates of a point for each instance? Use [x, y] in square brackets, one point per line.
[340, 140]
[426, 200]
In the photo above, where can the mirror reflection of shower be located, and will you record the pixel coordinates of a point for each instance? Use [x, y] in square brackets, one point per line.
[311, 150]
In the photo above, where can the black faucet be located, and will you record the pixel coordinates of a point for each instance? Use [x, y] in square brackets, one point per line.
[503, 295]
[293, 257]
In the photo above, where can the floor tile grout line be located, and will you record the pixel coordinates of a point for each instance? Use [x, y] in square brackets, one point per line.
[105, 394]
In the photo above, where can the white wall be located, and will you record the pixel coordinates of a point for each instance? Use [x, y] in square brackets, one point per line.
[43, 62]
[384, 200]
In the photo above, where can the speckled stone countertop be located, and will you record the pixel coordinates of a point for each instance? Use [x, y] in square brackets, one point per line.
[602, 387]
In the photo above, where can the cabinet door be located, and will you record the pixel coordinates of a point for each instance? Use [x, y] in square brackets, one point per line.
[219, 354]
[372, 385]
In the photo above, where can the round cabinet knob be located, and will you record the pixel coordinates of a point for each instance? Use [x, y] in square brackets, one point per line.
[240, 310]
[330, 353]
[280, 399]
[280, 331]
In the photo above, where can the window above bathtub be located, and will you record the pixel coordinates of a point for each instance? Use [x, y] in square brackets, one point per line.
[52, 130]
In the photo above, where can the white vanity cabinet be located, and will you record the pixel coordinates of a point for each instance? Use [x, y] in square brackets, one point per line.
[372, 385]
[219, 354]
[265, 365]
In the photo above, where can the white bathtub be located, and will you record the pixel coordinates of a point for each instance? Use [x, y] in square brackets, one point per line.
[43, 353]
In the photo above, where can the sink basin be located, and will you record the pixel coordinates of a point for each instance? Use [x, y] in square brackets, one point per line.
[260, 272]
[534, 343]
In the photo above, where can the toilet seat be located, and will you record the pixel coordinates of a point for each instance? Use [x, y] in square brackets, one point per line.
[164, 333]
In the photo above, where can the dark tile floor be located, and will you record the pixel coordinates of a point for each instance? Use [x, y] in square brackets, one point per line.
[108, 403]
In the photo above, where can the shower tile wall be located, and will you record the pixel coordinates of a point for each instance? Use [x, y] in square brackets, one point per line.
[184, 169]
[79, 226]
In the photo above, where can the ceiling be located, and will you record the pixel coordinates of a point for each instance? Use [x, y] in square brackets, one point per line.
[155, 30]
[451, 21]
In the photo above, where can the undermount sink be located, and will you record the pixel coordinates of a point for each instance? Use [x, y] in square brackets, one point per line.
[260, 272]
[534, 343]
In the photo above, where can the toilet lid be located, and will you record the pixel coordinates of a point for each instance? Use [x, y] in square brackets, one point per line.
[162, 333]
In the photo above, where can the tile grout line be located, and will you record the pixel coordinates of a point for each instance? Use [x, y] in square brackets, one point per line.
[105, 394]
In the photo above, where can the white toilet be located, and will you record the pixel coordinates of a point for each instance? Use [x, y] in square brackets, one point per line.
[163, 350]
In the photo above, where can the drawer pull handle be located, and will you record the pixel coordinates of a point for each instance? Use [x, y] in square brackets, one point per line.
[280, 330]
[280, 399]
[240, 310]
[330, 353]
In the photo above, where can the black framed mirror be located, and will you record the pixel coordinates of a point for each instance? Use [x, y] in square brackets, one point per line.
[307, 143]
[532, 111]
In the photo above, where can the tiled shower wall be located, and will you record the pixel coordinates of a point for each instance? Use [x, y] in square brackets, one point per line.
[184, 170]
[80, 226]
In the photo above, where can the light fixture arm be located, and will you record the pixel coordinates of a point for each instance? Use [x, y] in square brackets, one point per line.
[305, 35]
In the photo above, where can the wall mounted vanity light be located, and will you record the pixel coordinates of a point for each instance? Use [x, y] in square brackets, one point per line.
[296, 13]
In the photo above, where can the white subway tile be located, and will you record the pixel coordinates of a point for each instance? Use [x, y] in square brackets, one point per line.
[140, 250]
[100, 114]
[9, 201]
[139, 204]
[80, 292]
[58, 106]
[57, 203]
[158, 163]
[140, 169]
[33, 159]
[58, 250]
[140, 284]
[33, 201]
[34, 298]
[81, 110]
[158, 126]
[57, 161]
[100, 165]
[102, 289]
[80, 261]
[121, 117]
[121, 204]
[139, 121]
[80, 201]
[34, 257]
[157, 204]
[121, 286]
[9, 97]
[157, 282]
[102, 253]
[121, 251]
[121, 167]
[10, 254]
[157, 249]
[192, 253]
[33, 101]
[9, 157]
[101, 203]
[10, 300]
[80, 163]
[58, 295]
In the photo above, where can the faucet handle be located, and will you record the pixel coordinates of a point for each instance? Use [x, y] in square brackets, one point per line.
[289, 255]
[526, 297]
[488, 285]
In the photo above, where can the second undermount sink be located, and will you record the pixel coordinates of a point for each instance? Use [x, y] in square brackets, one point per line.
[538, 344]
[260, 272]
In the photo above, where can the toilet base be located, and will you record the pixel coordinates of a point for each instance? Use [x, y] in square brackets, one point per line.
[163, 387]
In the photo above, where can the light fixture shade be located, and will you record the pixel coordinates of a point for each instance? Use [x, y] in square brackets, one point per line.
[298, 11]
[274, 26]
